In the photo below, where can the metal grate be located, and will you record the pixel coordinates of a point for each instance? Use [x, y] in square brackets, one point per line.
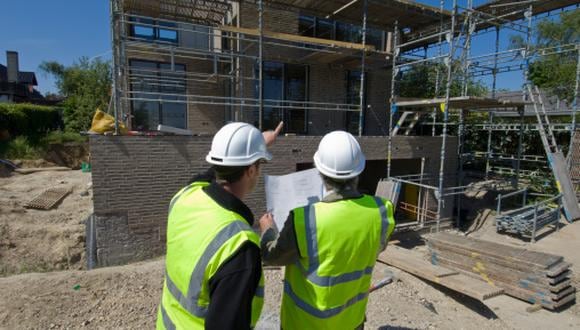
[48, 199]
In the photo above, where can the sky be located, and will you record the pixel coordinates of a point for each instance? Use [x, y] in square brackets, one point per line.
[65, 30]
[59, 30]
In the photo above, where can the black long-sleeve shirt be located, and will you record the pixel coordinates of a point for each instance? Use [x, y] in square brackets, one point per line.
[234, 285]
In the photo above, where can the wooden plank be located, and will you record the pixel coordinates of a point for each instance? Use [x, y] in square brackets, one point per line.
[495, 250]
[482, 265]
[412, 263]
[297, 38]
[503, 281]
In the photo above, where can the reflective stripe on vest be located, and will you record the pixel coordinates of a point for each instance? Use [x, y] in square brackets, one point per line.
[189, 302]
[185, 304]
[322, 314]
[167, 323]
[321, 290]
[312, 246]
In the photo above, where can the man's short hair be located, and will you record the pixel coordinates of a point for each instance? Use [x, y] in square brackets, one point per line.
[230, 174]
[339, 185]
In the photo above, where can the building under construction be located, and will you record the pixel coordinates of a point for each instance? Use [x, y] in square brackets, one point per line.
[321, 66]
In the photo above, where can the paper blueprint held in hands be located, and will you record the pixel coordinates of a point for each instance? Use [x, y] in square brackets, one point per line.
[287, 192]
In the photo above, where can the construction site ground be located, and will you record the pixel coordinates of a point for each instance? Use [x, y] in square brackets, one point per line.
[44, 286]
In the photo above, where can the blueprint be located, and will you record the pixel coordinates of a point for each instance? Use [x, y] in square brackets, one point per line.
[287, 192]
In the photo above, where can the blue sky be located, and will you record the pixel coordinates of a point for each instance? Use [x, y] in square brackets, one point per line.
[65, 30]
[61, 30]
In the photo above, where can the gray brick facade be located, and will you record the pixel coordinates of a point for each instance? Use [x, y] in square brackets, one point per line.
[134, 179]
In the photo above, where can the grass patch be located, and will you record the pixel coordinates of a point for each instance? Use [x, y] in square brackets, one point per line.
[34, 147]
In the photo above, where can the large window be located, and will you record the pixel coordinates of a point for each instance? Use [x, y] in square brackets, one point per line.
[158, 93]
[333, 30]
[285, 82]
[353, 97]
[149, 29]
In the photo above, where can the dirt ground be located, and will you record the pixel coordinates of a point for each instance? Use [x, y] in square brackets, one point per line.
[126, 297]
[36, 240]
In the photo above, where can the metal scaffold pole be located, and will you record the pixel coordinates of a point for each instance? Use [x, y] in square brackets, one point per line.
[393, 107]
[449, 63]
[574, 107]
[362, 70]
[520, 145]
[438, 72]
[116, 65]
[261, 64]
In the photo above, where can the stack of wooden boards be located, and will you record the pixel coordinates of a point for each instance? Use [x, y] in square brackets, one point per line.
[536, 277]
[415, 263]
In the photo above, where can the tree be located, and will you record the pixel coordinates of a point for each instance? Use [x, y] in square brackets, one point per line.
[555, 72]
[420, 82]
[85, 85]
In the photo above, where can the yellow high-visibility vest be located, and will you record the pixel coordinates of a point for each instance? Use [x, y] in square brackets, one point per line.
[201, 236]
[338, 244]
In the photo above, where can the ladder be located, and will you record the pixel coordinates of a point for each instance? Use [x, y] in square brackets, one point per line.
[407, 122]
[556, 158]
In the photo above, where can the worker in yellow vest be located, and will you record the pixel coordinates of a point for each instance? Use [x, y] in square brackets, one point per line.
[330, 247]
[213, 272]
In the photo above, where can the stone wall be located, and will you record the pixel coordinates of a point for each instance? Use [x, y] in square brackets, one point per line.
[134, 179]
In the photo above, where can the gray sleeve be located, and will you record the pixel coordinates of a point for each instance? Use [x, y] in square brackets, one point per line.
[280, 249]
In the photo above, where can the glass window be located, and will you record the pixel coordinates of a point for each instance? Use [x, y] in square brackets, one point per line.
[324, 29]
[375, 38]
[273, 90]
[306, 25]
[296, 90]
[285, 82]
[162, 100]
[343, 32]
[154, 30]
[353, 97]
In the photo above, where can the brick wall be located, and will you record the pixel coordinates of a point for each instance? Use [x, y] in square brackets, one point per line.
[134, 179]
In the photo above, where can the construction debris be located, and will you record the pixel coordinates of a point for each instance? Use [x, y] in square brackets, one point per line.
[536, 277]
[414, 263]
[48, 199]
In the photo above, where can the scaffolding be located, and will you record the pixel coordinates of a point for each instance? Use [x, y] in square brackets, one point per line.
[229, 53]
[231, 50]
[448, 47]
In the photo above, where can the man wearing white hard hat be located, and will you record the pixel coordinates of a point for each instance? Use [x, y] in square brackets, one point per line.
[213, 272]
[329, 248]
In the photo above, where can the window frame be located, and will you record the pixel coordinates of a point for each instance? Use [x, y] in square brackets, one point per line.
[159, 102]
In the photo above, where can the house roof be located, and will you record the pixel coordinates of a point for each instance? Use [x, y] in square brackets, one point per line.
[26, 77]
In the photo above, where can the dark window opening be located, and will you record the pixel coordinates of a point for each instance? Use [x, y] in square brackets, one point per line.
[285, 82]
[353, 86]
[158, 95]
[333, 30]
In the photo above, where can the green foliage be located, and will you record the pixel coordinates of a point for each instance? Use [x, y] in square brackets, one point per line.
[28, 119]
[35, 146]
[420, 81]
[86, 86]
[59, 137]
[21, 147]
[555, 72]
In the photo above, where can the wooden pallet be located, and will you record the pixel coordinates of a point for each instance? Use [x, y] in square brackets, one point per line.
[413, 263]
[48, 199]
[538, 278]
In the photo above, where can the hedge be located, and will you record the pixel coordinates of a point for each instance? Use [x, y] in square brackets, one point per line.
[28, 119]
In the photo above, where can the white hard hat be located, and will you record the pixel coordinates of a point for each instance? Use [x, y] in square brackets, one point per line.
[237, 144]
[339, 156]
